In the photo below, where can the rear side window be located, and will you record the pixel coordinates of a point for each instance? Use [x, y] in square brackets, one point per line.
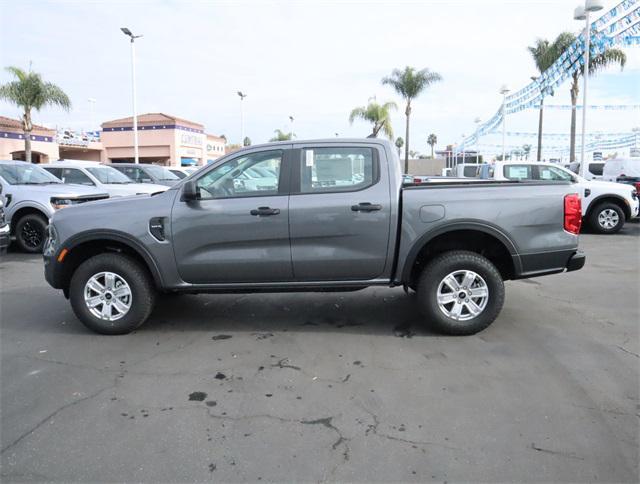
[341, 169]
[517, 172]
[470, 171]
[596, 168]
[552, 173]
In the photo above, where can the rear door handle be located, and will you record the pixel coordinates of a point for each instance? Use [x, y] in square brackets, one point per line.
[366, 207]
[264, 211]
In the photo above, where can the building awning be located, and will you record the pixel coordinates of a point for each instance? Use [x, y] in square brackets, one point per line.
[188, 161]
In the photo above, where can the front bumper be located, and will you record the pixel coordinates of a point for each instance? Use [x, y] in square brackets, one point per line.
[5, 238]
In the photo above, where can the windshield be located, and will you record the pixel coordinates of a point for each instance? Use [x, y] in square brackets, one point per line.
[108, 175]
[26, 174]
[160, 173]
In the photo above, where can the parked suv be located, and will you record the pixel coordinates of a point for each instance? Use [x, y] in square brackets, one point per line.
[32, 195]
[324, 215]
[105, 178]
[146, 173]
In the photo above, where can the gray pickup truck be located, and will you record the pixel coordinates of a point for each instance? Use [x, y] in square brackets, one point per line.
[328, 215]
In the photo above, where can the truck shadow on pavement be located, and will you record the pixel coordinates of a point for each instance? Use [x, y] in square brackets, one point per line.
[371, 311]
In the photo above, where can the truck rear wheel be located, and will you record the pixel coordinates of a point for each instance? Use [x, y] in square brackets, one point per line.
[460, 292]
[111, 294]
[607, 218]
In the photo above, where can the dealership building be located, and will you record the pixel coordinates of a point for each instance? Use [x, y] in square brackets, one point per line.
[162, 139]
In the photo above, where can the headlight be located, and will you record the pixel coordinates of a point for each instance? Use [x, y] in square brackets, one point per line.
[58, 203]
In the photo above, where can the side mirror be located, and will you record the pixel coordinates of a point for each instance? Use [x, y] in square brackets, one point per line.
[190, 192]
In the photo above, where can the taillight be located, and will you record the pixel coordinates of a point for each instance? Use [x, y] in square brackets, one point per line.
[637, 185]
[572, 213]
[417, 180]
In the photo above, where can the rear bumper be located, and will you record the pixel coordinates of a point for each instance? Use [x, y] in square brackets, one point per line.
[576, 261]
[545, 263]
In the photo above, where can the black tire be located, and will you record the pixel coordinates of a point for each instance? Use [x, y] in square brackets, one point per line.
[143, 293]
[606, 208]
[433, 275]
[31, 232]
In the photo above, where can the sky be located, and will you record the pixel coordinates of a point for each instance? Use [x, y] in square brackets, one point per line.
[313, 60]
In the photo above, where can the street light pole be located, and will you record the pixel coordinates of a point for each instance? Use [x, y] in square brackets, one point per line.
[504, 90]
[477, 121]
[128, 33]
[463, 149]
[92, 103]
[291, 119]
[582, 13]
[242, 96]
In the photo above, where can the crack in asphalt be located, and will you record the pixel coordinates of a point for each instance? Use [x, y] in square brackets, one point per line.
[53, 414]
[569, 455]
[630, 352]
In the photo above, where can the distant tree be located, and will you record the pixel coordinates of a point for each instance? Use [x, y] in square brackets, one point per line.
[526, 149]
[432, 140]
[399, 144]
[376, 114]
[29, 91]
[281, 136]
[412, 153]
[410, 83]
[246, 141]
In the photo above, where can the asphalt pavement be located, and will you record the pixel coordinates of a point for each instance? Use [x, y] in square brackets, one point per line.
[328, 386]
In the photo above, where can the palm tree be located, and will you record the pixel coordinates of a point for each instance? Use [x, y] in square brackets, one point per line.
[281, 136]
[399, 144]
[378, 115]
[409, 83]
[597, 62]
[246, 141]
[432, 140]
[526, 149]
[544, 55]
[28, 91]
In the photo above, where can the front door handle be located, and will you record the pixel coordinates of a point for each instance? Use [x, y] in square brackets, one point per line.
[264, 211]
[366, 207]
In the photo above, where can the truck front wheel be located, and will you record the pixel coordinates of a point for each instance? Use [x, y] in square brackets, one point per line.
[111, 293]
[607, 218]
[460, 292]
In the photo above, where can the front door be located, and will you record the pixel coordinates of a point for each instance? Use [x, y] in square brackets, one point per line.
[238, 230]
[339, 213]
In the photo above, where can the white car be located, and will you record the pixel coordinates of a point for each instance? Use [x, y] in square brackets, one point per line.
[108, 179]
[183, 172]
[605, 205]
[594, 169]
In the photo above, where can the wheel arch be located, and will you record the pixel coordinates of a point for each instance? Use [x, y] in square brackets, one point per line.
[82, 246]
[611, 198]
[477, 237]
[25, 210]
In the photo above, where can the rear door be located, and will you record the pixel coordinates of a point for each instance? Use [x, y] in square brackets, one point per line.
[339, 212]
[238, 230]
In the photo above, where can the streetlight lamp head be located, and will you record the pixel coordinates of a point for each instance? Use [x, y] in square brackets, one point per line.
[126, 31]
[579, 13]
[477, 120]
[593, 5]
[504, 89]
[242, 95]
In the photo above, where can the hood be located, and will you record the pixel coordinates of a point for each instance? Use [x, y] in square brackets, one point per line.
[116, 190]
[613, 186]
[62, 190]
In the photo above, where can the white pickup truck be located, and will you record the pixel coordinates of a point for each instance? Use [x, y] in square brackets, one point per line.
[606, 206]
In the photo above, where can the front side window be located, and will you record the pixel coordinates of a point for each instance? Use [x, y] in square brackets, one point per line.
[75, 176]
[251, 175]
[336, 169]
[108, 175]
[160, 173]
[517, 172]
[135, 173]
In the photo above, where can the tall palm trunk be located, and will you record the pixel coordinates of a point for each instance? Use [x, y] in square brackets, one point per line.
[540, 129]
[406, 146]
[432, 152]
[575, 90]
[27, 127]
